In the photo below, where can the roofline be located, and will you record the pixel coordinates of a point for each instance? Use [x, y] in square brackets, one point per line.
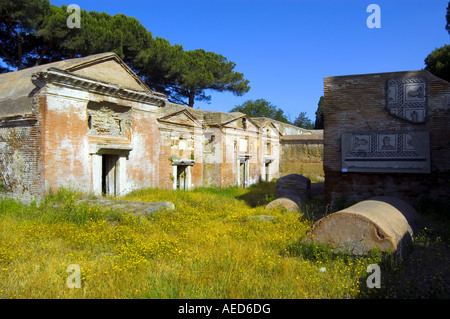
[67, 79]
[108, 56]
[189, 114]
[237, 118]
[378, 73]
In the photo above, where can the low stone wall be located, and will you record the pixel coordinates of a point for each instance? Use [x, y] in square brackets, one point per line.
[303, 154]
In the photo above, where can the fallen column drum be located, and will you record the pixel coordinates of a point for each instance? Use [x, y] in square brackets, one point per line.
[383, 222]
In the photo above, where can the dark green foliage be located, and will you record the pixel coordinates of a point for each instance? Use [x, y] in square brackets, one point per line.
[19, 22]
[261, 108]
[303, 121]
[36, 32]
[318, 125]
[185, 75]
[438, 62]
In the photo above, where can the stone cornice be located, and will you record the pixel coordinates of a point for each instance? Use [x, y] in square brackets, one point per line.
[66, 79]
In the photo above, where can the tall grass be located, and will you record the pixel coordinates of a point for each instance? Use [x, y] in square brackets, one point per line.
[208, 247]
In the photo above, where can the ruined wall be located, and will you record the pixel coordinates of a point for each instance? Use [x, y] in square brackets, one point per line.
[143, 160]
[181, 149]
[240, 152]
[302, 154]
[108, 119]
[180, 146]
[269, 152]
[212, 157]
[65, 152]
[19, 155]
[81, 128]
[165, 171]
[240, 147]
[395, 134]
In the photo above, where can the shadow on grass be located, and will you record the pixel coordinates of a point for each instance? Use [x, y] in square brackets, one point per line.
[423, 273]
[259, 194]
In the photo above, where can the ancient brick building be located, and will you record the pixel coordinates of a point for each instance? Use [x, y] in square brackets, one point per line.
[91, 124]
[387, 134]
[87, 123]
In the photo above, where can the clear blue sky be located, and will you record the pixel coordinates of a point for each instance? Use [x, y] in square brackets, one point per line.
[286, 47]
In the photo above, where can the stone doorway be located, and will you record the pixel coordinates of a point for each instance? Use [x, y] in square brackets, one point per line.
[267, 172]
[243, 170]
[181, 173]
[182, 180]
[242, 174]
[110, 174]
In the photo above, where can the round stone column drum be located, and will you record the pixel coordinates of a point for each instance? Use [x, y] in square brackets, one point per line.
[383, 222]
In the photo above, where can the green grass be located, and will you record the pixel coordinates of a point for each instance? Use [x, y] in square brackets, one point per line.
[208, 247]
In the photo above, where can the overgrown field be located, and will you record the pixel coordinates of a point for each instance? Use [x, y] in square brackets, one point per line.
[215, 244]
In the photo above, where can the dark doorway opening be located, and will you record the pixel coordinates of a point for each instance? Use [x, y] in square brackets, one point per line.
[110, 174]
[242, 180]
[182, 181]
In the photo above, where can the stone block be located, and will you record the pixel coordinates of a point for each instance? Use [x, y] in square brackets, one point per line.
[263, 218]
[134, 207]
[386, 152]
[294, 186]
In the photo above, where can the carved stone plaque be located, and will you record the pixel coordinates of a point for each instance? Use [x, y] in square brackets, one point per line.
[386, 152]
[407, 99]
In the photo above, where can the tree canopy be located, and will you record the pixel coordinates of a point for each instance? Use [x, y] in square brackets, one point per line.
[438, 61]
[318, 125]
[303, 121]
[36, 32]
[186, 75]
[20, 22]
[261, 108]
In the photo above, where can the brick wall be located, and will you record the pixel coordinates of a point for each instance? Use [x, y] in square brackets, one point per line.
[65, 145]
[359, 103]
[19, 155]
[143, 168]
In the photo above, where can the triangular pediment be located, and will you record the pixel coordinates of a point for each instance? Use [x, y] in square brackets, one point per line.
[105, 67]
[243, 122]
[181, 117]
[270, 130]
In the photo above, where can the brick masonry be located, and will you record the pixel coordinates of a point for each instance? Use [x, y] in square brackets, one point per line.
[90, 124]
[359, 103]
[19, 156]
